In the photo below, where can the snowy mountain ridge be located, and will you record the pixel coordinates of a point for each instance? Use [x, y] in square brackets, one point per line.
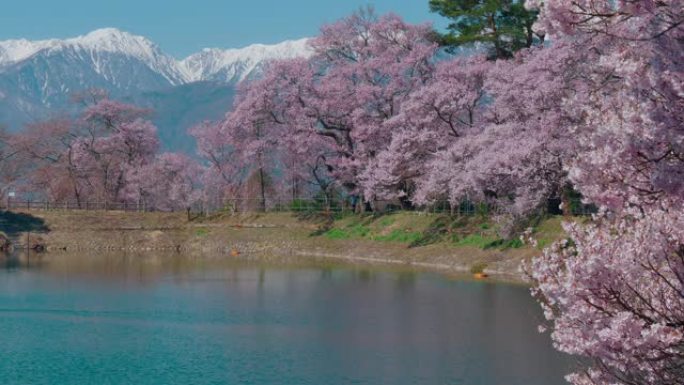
[238, 64]
[229, 65]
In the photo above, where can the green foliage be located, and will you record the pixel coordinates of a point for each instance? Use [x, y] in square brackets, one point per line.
[201, 232]
[482, 209]
[505, 26]
[13, 223]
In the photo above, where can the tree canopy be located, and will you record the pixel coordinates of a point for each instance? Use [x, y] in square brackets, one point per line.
[504, 26]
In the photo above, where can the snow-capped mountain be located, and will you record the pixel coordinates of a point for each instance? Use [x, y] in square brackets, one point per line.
[38, 78]
[213, 64]
[235, 65]
[96, 50]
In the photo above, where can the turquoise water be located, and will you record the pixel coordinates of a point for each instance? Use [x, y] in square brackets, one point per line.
[182, 320]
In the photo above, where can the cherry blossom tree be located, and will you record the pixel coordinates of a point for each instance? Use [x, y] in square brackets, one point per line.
[50, 150]
[365, 68]
[10, 163]
[483, 131]
[170, 183]
[435, 117]
[222, 176]
[91, 157]
[117, 141]
[517, 159]
[328, 111]
[615, 292]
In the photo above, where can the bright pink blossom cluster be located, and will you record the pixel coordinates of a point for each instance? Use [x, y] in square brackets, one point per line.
[615, 292]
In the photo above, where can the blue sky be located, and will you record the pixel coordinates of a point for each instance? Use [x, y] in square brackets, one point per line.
[183, 27]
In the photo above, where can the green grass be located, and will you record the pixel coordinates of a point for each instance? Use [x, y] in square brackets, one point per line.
[356, 230]
[543, 243]
[551, 230]
[399, 236]
[476, 240]
[454, 229]
[374, 228]
[386, 221]
[503, 244]
[465, 231]
[201, 232]
[337, 234]
[515, 243]
[486, 242]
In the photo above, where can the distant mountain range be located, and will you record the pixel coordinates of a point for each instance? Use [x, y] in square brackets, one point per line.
[37, 78]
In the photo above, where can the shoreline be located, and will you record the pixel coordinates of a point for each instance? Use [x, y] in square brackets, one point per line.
[439, 268]
[299, 258]
[275, 237]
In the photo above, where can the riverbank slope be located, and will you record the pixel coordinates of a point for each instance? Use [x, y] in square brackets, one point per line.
[427, 241]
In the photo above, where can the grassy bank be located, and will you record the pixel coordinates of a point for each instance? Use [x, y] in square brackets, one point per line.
[465, 244]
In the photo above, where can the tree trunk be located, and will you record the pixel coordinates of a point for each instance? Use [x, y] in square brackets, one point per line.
[262, 186]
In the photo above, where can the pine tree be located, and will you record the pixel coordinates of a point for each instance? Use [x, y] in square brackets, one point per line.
[504, 26]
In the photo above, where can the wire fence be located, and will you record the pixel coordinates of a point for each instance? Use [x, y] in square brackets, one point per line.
[29, 204]
[251, 205]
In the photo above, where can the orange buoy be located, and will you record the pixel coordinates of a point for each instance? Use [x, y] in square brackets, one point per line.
[480, 275]
[234, 253]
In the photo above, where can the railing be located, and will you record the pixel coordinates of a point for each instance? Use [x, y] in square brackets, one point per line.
[575, 206]
[466, 208]
[28, 204]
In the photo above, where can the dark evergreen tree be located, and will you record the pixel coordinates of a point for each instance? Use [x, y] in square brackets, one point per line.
[504, 26]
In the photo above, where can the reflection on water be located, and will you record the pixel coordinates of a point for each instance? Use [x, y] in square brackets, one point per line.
[180, 319]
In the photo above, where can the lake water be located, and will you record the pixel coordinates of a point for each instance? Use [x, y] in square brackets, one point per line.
[181, 320]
